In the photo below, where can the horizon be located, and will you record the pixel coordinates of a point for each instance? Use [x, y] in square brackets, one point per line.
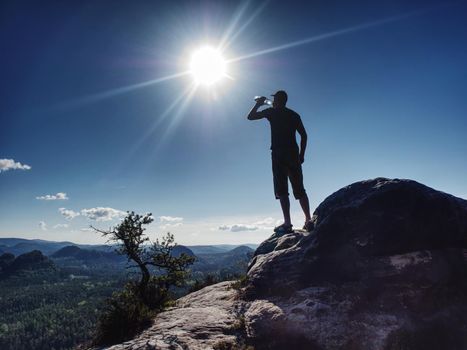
[99, 116]
[110, 245]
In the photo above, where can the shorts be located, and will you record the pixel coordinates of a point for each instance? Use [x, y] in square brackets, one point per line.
[287, 166]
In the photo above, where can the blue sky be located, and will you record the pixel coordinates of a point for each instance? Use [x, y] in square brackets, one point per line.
[383, 95]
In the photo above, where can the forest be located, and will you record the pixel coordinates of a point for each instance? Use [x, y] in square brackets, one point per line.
[54, 302]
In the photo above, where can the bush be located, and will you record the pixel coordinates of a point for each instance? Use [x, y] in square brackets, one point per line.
[208, 280]
[124, 316]
[240, 283]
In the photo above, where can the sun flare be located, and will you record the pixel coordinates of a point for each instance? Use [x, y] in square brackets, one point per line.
[207, 66]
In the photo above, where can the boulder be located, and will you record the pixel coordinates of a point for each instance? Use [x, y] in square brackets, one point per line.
[384, 268]
[356, 228]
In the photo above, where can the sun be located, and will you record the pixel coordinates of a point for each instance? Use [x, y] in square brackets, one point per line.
[207, 66]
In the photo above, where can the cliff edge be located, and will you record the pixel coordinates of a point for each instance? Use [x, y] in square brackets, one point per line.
[384, 268]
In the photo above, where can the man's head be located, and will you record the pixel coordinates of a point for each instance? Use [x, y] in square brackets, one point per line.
[280, 99]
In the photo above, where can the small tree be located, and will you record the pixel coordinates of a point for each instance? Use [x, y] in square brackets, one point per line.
[152, 292]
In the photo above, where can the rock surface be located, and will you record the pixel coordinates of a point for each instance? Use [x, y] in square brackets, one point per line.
[358, 225]
[205, 319]
[384, 268]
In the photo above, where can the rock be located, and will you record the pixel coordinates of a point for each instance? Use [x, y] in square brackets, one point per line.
[205, 319]
[268, 245]
[384, 268]
[359, 224]
[276, 242]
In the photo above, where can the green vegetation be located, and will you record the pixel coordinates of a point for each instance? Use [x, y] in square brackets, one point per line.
[240, 283]
[44, 311]
[208, 280]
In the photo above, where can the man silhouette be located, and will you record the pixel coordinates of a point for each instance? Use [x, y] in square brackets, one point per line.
[287, 158]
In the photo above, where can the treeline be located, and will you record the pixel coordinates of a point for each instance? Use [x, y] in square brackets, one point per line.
[51, 314]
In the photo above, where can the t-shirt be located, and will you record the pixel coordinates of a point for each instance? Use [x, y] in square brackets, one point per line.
[284, 123]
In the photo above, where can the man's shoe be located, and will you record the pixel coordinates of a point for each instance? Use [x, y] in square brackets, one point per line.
[309, 226]
[283, 229]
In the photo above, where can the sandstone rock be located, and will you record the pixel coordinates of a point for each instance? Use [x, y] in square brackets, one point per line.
[360, 223]
[201, 320]
[384, 268]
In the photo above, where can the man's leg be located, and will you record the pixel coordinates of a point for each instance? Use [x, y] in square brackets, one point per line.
[285, 205]
[296, 179]
[305, 204]
[279, 171]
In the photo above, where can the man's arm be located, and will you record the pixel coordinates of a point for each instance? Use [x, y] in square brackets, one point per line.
[303, 140]
[254, 114]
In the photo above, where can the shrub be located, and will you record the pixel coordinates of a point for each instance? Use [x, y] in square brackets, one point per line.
[208, 280]
[124, 316]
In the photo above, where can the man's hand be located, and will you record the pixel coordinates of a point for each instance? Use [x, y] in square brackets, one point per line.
[260, 101]
[254, 114]
[302, 158]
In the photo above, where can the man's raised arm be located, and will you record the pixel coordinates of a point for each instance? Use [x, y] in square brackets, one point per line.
[254, 114]
[303, 140]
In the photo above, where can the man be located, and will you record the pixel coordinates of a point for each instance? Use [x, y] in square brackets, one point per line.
[287, 158]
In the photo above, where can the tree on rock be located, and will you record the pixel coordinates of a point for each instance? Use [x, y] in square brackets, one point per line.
[129, 310]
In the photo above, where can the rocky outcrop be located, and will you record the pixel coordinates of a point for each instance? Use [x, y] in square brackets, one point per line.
[384, 268]
[206, 319]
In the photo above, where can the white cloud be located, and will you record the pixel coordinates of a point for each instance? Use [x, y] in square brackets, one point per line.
[169, 226]
[170, 222]
[170, 219]
[267, 223]
[238, 228]
[53, 197]
[8, 164]
[67, 213]
[87, 229]
[43, 225]
[61, 226]
[102, 214]
[253, 224]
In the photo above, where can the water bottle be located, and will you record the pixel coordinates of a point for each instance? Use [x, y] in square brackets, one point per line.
[266, 102]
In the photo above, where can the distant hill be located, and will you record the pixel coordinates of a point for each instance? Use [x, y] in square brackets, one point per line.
[232, 259]
[5, 260]
[18, 246]
[92, 256]
[31, 261]
[87, 255]
[179, 249]
[206, 249]
[217, 248]
[240, 250]
[228, 247]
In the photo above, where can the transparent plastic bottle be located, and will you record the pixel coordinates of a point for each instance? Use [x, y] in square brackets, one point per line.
[266, 101]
